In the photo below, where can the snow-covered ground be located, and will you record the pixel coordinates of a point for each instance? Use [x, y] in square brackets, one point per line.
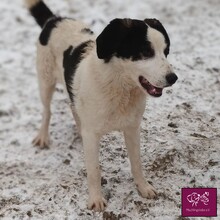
[180, 143]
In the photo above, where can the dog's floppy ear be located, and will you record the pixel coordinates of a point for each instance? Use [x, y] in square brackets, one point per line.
[111, 37]
[156, 24]
[153, 22]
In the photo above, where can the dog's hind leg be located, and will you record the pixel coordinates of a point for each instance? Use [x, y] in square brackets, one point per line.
[46, 80]
[78, 124]
[132, 140]
[42, 139]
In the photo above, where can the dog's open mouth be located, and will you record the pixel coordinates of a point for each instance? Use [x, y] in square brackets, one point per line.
[152, 90]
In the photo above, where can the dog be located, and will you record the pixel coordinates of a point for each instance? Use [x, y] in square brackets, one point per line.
[107, 80]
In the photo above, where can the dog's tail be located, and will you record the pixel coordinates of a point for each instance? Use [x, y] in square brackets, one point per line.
[39, 11]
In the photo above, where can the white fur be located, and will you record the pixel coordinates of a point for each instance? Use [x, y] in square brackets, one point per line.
[108, 96]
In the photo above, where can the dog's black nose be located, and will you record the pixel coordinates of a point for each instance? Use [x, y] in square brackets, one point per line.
[171, 78]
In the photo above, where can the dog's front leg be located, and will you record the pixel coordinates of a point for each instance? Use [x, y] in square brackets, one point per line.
[132, 141]
[91, 151]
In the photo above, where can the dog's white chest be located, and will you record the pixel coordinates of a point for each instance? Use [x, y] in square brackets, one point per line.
[117, 114]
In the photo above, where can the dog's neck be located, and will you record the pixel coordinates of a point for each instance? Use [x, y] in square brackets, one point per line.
[116, 85]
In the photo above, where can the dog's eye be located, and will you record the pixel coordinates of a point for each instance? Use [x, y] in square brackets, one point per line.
[148, 52]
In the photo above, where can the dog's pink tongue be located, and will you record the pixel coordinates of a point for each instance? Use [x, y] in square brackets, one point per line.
[154, 91]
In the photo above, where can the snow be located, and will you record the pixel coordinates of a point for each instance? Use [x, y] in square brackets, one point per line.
[180, 142]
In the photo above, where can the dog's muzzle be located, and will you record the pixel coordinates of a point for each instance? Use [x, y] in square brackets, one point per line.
[156, 91]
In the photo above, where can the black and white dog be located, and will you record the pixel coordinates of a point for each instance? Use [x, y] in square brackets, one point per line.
[107, 80]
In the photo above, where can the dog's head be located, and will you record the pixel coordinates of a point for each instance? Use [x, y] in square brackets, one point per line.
[144, 46]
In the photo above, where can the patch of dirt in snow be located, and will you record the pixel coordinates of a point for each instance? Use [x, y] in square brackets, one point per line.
[180, 139]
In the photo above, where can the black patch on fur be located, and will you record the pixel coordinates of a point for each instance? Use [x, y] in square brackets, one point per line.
[124, 38]
[87, 30]
[41, 13]
[154, 23]
[71, 59]
[46, 32]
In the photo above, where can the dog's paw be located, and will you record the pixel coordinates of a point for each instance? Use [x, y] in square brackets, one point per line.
[147, 191]
[97, 204]
[41, 141]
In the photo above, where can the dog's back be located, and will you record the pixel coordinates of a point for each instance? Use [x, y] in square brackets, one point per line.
[58, 35]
